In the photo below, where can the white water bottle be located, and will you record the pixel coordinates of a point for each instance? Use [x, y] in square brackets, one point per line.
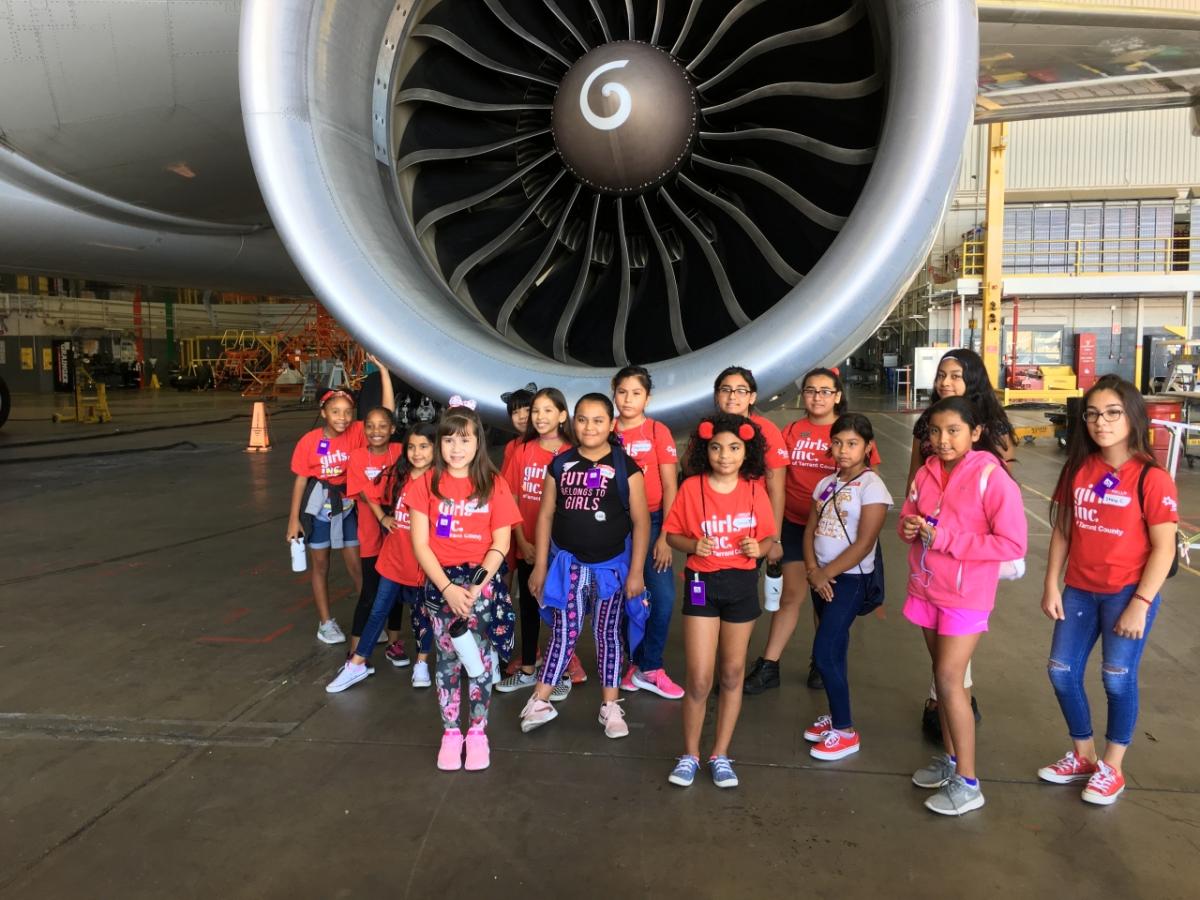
[466, 648]
[772, 587]
[299, 557]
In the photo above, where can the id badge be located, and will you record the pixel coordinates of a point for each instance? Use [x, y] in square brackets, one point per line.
[323, 447]
[1106, 484]
[827, 493]
[697, 592]
[592, 479]
[444, 522]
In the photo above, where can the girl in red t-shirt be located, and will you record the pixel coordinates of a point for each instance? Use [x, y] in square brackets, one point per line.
[806, 442]
[319, 463]
[365, 484]
[651, 445]
[398, 577]
[547, 434]
[1115, 511]
[462, 518]
[724, 522]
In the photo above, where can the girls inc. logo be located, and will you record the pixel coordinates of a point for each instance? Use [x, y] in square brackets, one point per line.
[1087, 501]
[531, 480]
[808, 450]
[458, 508]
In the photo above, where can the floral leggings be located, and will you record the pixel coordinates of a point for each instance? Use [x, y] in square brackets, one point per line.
[448, 671]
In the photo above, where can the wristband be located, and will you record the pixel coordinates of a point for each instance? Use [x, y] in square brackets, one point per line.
[1143, 599]
[442, 591]
[494, 550]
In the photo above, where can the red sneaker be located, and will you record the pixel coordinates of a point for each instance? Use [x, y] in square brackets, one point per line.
[817, 730]
[835, 745]
[1105, 786]
[575, 670]
[658, 682]
[1067, 770]
[627, 682]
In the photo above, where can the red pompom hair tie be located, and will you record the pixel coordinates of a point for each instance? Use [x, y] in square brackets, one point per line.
[746, 431]
[705, 430]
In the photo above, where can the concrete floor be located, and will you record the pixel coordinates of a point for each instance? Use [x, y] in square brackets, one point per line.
[166, 732]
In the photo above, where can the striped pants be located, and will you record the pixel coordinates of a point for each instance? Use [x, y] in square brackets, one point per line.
[607, 615]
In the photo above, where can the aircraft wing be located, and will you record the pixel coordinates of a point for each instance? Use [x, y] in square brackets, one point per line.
[1044, 59]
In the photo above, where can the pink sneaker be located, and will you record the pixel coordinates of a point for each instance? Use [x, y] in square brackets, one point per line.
[1105, 785]
[835, 745]
[450, 756]
[627, 682]
[479, 754]
[816, 732]
[658, 682]
[1067, 770]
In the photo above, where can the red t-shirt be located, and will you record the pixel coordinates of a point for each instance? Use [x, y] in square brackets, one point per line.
[650, 445]
[317, 456]
[508, 451]
[397, 562]
[460, 530]
[726, 518]
[807, 446]
[1109, 540]
[364, 480]
[777, 456]
[524, 472]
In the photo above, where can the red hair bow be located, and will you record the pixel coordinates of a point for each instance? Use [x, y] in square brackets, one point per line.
[705, 430]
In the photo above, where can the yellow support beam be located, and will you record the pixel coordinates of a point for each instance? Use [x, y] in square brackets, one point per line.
[993, 251]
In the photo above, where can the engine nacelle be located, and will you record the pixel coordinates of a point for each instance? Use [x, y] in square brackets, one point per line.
[490, 193]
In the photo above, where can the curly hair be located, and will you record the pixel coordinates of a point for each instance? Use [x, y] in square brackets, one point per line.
[755, 463]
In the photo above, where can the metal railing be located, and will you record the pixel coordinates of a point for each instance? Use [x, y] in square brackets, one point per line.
[1087, 256]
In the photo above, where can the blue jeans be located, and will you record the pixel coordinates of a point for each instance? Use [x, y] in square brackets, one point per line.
[661, 586]
[385, 598]
[1088, 617]
[832, 643]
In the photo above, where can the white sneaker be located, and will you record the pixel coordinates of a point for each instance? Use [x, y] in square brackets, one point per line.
[330, 633]
[562, 690]
[612, 717]
[420, 676]
[536, 714]
[516, 681]
[349, 674]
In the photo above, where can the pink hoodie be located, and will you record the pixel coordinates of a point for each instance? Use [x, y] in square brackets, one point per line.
[974, 534]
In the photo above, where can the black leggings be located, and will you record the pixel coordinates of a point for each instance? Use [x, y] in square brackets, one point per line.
[366, 599]
[531, 615]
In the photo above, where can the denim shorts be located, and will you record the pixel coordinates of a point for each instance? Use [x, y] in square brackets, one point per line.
[320, 540]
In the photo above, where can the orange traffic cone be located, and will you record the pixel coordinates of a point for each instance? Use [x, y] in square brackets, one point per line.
[260, 439]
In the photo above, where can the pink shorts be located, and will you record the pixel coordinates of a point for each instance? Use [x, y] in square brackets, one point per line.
[951, 621]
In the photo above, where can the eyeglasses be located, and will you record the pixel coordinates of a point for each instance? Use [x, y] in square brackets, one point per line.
[1111, 414]
[739, 391]
[818, 392]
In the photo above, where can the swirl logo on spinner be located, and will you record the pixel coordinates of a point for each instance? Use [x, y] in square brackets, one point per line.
[624, 108]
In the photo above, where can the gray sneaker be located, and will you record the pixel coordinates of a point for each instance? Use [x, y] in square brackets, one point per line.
[516, 681]
[561, 690]
[955, 798]
[330, 633]
[936, 774]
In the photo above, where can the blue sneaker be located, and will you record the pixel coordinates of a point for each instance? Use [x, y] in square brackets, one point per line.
[684, 772]
[722, 772]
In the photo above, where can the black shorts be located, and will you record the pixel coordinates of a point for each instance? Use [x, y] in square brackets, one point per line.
[792, 541]
[730, 594]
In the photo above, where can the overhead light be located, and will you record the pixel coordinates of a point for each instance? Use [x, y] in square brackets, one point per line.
[182, 169]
